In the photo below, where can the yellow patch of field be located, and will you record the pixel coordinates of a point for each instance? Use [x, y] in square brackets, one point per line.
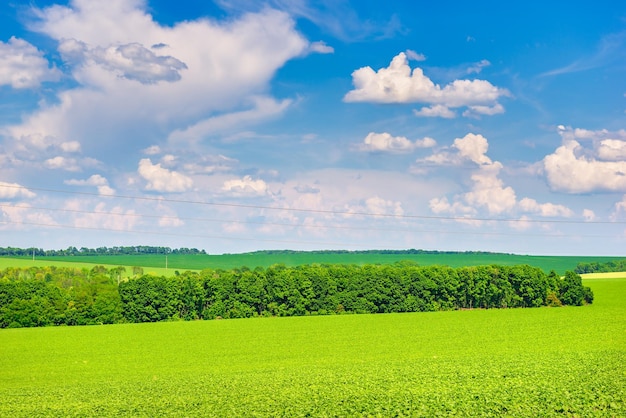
[611, 275]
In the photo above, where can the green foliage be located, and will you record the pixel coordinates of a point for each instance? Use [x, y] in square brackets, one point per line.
[61, 296]
[152, 259]
[489, 363]
[601, 267]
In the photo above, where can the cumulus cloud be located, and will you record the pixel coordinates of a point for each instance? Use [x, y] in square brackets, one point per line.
[62, 163]
[245, 186]
[549, 209]
[487, 190]
[131, 61]
[385, 142]
[14, 190]
[161, 179]
[619, 210]
[399, 84]
[95, 180]
[116, 218]
[22, 65]
[587, 161]
[470, 148]
[136, 77]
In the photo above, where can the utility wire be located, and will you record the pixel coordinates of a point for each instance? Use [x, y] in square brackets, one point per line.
[323, 211]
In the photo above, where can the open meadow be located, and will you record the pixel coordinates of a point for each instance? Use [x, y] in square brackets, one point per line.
[156, 263]
[568, 361]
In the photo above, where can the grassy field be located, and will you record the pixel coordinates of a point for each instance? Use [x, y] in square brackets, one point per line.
[227, 261]
[6, 262]
[517, 362]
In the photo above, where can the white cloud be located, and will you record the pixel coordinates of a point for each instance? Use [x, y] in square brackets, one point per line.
[473, 147]
[70, 146]
[377, 206]
[414, 56]
[385, 142]
[131, 61]
[577, 168]
[13, 190]
[399, 84]
[62, 163]
[612, 150]
[435, 111]
[24, 66]
[589, 215]
[161, 179]
[548, 209]
[115, 218]
[262, 108]
[619, 210]
[95, 180]
[152, 150]
[123, 81]
[478, 67]
[320, 47]
[487, 190]
[245, 186]
[475, 111]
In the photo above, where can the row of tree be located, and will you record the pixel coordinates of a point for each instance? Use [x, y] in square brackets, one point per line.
[64, 296]
[73, 251]
[596, 267]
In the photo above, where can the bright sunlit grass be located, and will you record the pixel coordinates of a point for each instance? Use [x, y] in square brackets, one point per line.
[518, 362]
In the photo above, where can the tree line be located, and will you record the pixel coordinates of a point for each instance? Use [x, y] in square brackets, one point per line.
[118, 250]
[68, 296]
[596, 267]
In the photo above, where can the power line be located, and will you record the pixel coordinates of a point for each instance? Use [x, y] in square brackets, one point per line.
[321, 211]
[426, 231]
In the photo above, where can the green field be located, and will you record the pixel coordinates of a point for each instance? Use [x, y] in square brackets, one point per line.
[228, 261]
[6, 262]
[507, 362]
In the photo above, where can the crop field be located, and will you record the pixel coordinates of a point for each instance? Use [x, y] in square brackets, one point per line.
[531, 362]
[6, 262]
[182, 262]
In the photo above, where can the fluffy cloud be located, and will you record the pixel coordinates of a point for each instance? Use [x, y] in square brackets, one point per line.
[62, 163]
[435, 111]
[472, 147]
[245, 186]
[399, 84]
[95, 180]
[487, 190]
[131, 61]
[619, 209]
[549, 209]
[587, 161]
[13, 190]
[385, 142]
[24, 66]
[161, 179]
[136, 79]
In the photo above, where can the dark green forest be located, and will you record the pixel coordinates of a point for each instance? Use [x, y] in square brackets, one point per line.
[47, 296]
[84, 251]
[595, 267]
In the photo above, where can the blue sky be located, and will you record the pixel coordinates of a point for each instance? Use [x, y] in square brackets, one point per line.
[235, 126]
